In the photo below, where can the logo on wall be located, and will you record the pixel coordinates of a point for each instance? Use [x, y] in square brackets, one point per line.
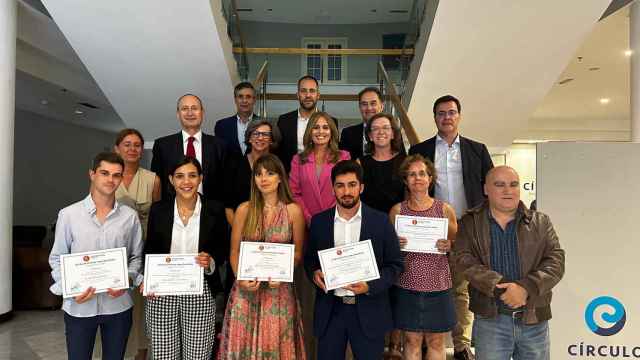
[615, 319]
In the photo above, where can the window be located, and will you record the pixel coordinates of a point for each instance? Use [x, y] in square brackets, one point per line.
[325, 68]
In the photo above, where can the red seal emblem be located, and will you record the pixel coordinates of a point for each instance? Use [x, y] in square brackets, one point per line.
[261, 247]
[339, 252]
[86, 258]
[167, 260]
[414, 222]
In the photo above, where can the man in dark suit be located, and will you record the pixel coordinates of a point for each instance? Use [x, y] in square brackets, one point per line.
[359, 313]
[462, 165]
[293, 124]
[232, 129]
[353, 138]
[210, 151]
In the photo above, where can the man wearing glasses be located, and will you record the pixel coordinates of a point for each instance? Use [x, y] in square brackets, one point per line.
[462, 165]
[293, 124]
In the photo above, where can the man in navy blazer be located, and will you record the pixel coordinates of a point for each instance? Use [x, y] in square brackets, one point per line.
[462, 166]
[360, 313]
[232, 129]
[210, 151]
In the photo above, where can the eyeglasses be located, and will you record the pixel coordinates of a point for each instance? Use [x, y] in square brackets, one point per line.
[381, 128]
[257, 134]
[451, 113]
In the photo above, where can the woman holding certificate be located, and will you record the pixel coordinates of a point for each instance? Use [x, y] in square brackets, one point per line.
[263, 317]
[421, 300]
[310, 177]
[183, 326]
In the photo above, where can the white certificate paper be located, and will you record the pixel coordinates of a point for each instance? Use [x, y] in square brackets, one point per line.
[422, 233]
[172, 274]
[263, 260]
[101, 269]
[348, 264]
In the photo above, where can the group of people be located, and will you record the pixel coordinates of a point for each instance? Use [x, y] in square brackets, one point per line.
[299, 181]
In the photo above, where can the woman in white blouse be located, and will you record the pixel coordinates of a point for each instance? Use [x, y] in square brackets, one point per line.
[183, 326]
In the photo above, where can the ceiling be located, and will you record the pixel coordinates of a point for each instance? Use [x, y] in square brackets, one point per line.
[600, 70]
[325, 11]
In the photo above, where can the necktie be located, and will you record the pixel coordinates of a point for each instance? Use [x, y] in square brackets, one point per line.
[191, 150]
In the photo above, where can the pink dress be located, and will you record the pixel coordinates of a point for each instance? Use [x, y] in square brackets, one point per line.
[265, 324]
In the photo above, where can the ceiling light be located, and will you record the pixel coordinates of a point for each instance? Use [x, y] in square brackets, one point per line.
[78, 112]
[44, 102]
[605, 101]
[628, 52]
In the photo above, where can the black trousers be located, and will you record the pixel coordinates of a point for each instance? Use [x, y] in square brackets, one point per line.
[81, 335]
[344, 326]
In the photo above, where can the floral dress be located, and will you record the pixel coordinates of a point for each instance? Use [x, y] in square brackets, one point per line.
[267, 323]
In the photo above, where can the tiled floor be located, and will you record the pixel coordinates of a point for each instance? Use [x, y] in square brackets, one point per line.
[39, 335]
[33, 335]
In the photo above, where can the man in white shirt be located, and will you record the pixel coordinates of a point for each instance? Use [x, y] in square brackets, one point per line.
[232, 129]
[292, 125]
[98, 222]
[462, 165]
[358, 314]
[191, 141]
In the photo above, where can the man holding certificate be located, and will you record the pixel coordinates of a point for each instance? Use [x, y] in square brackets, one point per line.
[95, 257]
[354, 247]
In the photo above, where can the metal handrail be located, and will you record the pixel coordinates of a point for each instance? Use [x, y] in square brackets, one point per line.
[305, 51]
[405, 122]
[260, 84]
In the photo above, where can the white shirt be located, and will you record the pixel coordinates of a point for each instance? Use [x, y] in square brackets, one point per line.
[302, 126]
[450, 186]
[346, 232]
[186, 238]
[197, 145]
[242, 128]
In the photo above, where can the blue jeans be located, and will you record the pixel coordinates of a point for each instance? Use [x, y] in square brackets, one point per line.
[504, 337]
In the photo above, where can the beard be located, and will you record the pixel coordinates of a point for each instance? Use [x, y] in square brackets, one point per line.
[308, 108]
[348, 202]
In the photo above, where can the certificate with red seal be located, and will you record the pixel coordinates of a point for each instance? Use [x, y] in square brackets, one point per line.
[172, 274]
[348, 264]
[101, 270]
[266, 261]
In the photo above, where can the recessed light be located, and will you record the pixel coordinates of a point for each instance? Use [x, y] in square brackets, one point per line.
[44, 102]
[628, 52]
[605, 101]
[78, 112]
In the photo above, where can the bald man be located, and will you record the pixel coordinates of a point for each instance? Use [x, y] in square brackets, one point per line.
[510, 294]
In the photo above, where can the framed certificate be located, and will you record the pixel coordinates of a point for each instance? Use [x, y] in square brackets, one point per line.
[348, 264]
[264, 261]
[422, 233]
[101, 269]
[172, 274]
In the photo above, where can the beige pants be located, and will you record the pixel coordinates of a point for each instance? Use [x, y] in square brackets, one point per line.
[461, 333]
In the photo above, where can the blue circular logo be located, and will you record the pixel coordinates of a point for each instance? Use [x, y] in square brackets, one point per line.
[616, 319]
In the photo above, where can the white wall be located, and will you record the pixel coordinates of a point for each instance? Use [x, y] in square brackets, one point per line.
[51, 164]
[590, 191]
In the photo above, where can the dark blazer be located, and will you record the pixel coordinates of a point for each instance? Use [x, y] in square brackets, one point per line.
[351, 140]
[168, 150]
[214, 234]
[476, 163]
[288, 126]
[374, 310]
[227, 130]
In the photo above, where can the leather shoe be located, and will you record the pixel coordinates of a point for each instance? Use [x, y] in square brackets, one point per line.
[465, 354]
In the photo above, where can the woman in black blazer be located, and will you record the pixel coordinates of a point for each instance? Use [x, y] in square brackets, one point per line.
[183, 326]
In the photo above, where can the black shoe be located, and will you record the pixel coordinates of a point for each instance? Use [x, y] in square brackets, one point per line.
[465, 354]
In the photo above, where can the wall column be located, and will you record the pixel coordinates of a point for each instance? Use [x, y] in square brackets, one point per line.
[634, 45]
[7, 117]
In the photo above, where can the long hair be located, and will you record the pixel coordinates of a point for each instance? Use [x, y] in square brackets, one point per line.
[253, 223]
[396, 142]
[334, 152]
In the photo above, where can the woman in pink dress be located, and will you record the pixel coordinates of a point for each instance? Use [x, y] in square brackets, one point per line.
[263, 319]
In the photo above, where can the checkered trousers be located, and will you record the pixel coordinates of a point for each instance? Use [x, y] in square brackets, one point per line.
[181, 327]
